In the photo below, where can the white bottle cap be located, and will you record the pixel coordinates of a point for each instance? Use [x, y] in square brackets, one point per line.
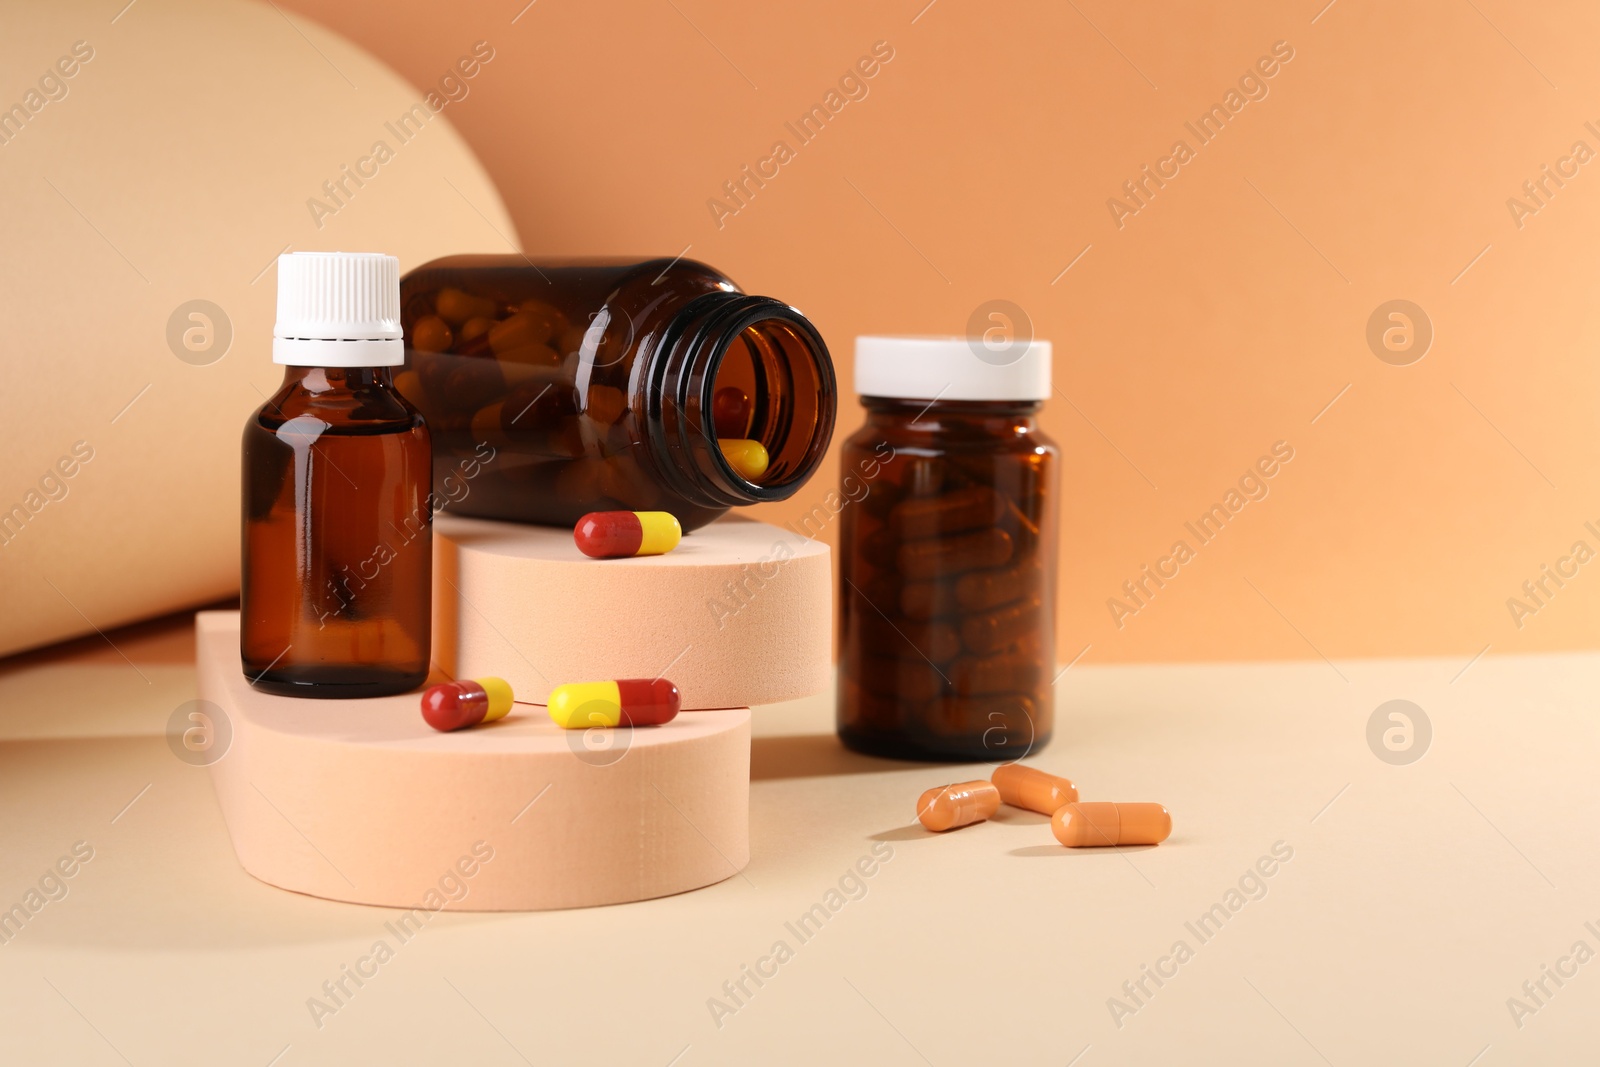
[952, 368]
[338, 309]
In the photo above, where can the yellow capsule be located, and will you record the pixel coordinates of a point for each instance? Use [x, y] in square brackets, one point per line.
[748, 458]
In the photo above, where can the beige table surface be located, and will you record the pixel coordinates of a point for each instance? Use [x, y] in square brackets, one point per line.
[1417, 901]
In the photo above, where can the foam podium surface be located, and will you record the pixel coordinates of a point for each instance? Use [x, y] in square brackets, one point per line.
[361, 801]
[740, 614]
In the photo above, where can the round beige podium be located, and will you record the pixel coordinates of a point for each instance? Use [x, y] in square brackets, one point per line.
[739, 614]
[360, 800]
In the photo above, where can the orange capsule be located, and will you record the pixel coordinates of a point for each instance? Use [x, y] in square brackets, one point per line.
[1033, 789]
[949, 806]
[1100, 823]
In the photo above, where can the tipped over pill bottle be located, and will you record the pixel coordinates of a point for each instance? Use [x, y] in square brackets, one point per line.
[338, 520]
[611, 385]
[948, 552]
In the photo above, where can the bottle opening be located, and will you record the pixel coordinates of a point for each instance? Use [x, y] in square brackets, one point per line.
[769, 390]
[754, 404]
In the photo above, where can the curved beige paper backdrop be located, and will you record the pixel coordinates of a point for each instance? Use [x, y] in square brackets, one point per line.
[173, 165]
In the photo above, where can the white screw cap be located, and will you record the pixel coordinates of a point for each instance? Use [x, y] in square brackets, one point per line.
[952, 368]
[338, 309]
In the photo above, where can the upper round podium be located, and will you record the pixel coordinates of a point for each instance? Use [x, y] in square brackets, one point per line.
[739, 614]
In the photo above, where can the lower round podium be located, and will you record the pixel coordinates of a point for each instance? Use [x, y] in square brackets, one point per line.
[361, 801]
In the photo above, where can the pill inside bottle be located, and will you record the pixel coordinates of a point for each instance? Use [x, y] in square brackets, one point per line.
[747, 457]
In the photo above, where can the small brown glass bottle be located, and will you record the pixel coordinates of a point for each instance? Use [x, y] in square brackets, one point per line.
[948, 563]
[337, 547]
[597, 385]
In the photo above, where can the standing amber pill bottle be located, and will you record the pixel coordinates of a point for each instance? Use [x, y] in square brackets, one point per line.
[948, 560]
[337, 565]
[611, 385]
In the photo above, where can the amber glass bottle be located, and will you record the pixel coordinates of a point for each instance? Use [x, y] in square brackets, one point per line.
[337, 551]
[591, 385]
[948, 563]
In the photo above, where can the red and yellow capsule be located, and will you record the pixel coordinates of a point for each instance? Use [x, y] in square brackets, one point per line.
[626, 702]
[615, 534]
[456, 705]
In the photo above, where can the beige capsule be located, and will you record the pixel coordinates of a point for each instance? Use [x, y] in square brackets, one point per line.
[473, 329]
[456, 307]
[606, 404]
[1033, 789]
[948, 806]
[430, 333]
[1102, 823]
[486, 427]
[521, 330]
